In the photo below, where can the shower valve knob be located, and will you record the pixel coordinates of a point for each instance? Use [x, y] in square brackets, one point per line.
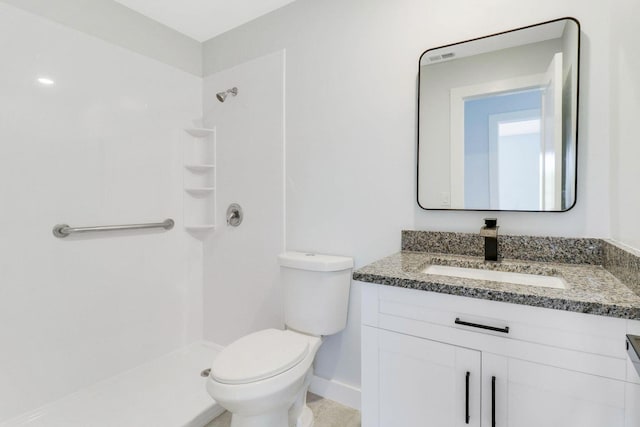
[234, 215]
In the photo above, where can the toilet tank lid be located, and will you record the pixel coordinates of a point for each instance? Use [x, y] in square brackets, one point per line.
[315, 262]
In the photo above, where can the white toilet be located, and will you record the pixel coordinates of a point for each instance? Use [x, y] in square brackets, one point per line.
[262, 378]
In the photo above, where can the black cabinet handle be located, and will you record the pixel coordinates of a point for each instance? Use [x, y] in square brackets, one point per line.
[466, 414]
[493, 401]
[478, 325]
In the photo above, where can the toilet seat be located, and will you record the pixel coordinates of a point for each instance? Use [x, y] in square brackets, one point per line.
[259, 356]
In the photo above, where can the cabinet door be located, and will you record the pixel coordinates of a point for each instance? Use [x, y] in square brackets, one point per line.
[633, 405]
[533, 395]
[414, 382]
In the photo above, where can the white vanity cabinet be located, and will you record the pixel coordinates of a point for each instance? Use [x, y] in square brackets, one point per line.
[534, 395]
[551, 369]
[426, 382]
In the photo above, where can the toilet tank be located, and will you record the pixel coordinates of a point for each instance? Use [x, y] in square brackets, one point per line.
[316, 292]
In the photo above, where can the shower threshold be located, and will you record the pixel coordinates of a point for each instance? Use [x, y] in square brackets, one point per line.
[165, 392]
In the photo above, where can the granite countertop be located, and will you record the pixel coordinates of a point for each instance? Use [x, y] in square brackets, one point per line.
[591, 288]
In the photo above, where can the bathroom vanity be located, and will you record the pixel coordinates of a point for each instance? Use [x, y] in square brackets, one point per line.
[440, 350]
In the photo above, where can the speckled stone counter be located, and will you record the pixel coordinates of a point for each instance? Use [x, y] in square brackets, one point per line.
[530, 248]
[591, 288]
[624, 263]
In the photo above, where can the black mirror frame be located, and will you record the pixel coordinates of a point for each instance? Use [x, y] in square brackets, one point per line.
[577, 119]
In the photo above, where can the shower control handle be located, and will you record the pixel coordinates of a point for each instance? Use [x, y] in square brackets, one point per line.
[234, 215]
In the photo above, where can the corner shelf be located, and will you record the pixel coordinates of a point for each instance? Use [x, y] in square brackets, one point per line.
[200, 132]
[200, 190]
[199, 179]
[203, 227]
[199, 167]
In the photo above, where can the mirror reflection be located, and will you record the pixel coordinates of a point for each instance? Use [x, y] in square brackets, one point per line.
[498, 121]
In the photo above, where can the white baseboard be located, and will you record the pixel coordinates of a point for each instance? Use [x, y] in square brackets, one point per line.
[345, 394]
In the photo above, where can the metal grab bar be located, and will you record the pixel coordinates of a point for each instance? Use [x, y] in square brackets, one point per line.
[63, 230]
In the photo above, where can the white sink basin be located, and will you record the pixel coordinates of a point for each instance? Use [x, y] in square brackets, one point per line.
[497, 276]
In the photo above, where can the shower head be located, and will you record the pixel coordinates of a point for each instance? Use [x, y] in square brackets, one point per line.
[223, 95]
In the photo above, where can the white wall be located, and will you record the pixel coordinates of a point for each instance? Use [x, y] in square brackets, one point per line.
[351, 124]
[101, 146]
[242, 289]
[625, 83]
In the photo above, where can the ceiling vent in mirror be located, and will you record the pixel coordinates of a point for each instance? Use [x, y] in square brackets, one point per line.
[442, 57]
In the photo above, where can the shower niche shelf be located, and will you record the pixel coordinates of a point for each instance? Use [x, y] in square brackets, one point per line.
[197, 168]
[200, 132]
[200, 191]
[199, 179]
[203, 227]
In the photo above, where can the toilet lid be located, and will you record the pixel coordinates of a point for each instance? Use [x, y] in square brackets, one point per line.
[259, 356]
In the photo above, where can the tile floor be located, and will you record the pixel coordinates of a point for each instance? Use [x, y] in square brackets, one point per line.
[327, 414]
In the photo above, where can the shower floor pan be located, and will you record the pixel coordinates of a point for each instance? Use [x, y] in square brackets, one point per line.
[166, 392]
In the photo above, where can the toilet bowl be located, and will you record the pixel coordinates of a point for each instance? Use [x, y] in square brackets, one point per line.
[263, 378]
[264, 392]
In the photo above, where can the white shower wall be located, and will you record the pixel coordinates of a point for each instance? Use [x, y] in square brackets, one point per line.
[242, 291]
[101, 146]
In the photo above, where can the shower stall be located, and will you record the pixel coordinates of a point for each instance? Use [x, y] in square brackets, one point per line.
[119, 278]
[98, 326]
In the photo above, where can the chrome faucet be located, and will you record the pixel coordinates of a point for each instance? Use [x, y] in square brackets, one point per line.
[490, 233]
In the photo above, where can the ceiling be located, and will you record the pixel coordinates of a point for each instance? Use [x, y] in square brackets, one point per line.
[203, 19]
